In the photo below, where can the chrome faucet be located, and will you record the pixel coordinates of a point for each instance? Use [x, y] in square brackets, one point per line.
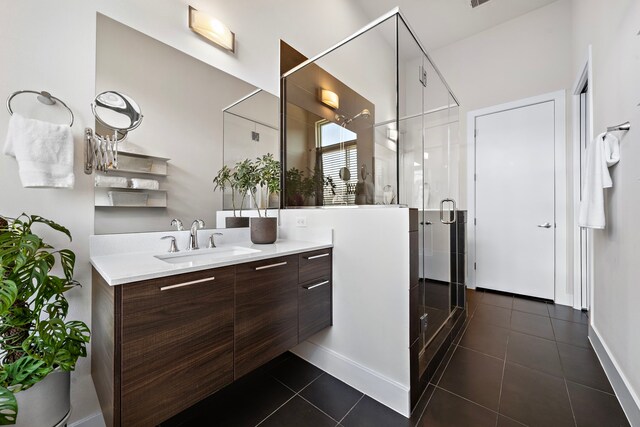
[193, 237]
[177, 224]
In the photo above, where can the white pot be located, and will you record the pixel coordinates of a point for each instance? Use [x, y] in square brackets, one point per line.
[46, 404]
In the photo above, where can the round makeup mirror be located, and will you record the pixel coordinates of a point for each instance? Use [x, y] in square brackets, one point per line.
[116, 114]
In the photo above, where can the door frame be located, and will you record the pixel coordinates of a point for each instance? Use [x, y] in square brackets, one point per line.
[562, 294]
[585, 74]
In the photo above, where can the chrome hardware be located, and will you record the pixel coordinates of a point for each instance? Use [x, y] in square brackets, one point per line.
[622, 127]
[173, 247]
[316, 256]
[264, 267]
[212, 243]
[44, 97]
[545, 225]
[455, 214]
[193, 237]
[316, 285]
[177, 224]
[181, 285]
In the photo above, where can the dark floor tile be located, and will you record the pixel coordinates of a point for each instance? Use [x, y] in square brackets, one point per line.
[246, 402]
[504, 301]
[332, 396]
[508, 422]
[529, 306]
[448, 410]
[532, 324]
[535, 398]
[564, 312]
[418, 411]
[298, 412]
[533, 352]
[486, 338]
[594, 408]
[296, 373]
[571, 333]
[581, 365]
[474, 376]
[493, 315]
[369, 413]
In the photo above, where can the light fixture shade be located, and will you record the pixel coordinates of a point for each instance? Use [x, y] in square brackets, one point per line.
[330, 99]
[211, 29]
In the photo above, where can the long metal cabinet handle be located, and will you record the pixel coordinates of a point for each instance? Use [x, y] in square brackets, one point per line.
[455, 213]
[264, 267]
[316, 285]
[316, 256]
[180, 285]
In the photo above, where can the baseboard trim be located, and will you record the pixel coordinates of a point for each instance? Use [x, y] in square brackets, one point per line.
[621, 386]
[386, 391]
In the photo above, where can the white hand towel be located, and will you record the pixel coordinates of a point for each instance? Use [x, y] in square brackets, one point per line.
[146, 184]
[44, 152]
[602, 153]
[111, 181]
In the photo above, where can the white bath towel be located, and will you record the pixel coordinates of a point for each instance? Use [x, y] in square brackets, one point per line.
[146, 184]
[602, 153]
[111, 181]
[44, 152]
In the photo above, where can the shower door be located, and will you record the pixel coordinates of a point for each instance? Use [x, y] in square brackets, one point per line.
[429, 181]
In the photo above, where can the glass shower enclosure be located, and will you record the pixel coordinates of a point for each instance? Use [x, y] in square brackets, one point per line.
[372, 121]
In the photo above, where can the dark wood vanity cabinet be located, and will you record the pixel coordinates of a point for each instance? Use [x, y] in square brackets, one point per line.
[172, 344]
[266, 311]
[314, 293]
[159, 346]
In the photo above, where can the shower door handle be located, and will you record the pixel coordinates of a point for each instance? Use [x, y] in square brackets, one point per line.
[455, 215]
[545, 225]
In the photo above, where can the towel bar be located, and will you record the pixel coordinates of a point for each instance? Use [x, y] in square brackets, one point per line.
[44, 97]
[624, 127]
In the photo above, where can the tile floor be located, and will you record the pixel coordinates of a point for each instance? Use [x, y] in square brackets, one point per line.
[519, 362]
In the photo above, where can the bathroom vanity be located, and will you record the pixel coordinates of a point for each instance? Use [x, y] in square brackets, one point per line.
[162, 344]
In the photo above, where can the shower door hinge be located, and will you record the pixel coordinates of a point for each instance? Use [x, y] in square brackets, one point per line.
[475, 221]
[475, 133]
[475, 266]
[422, 75]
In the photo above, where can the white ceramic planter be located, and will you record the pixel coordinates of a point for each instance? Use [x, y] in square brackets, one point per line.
[46, 404]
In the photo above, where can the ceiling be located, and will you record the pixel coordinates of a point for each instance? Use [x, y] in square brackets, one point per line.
[441, 22]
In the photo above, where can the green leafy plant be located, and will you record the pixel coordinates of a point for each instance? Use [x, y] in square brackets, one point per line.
[35, 338]
[267, 174]
[246, 179]
[222, 181]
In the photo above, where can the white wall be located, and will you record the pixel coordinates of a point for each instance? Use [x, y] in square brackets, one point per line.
[528, 56]
[611, 28]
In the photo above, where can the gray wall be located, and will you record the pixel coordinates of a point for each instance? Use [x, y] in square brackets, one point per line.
[182, 101]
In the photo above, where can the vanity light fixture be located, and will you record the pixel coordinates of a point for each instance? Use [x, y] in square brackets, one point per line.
[329, 98]
[212, 29]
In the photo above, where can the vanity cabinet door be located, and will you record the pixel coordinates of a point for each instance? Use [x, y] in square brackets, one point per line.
[315, 293]
[177, 343]
[266, 311]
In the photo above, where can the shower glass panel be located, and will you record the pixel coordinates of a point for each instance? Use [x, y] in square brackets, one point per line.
[387, 135]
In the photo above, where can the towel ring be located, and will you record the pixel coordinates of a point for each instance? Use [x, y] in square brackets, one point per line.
[44, 97]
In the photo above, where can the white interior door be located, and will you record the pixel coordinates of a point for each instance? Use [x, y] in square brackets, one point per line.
[514, 197]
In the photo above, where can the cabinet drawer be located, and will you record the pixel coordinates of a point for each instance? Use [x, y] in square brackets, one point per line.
[315, 311]
[316, 264]
[266, 311]
[177, 343]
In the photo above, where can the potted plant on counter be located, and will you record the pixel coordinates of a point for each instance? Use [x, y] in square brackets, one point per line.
[38, 346]
[267, 171]
[228, 179]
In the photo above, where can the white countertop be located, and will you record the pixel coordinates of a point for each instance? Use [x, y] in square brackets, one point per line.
[117, 267]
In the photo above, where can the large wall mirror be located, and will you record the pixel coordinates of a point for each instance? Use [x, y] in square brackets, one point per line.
[180, 142]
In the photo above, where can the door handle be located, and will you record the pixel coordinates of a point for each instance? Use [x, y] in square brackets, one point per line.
[455, 214]
[545, 225]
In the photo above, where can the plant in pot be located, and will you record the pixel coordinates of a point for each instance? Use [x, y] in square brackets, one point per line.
[38, 346]
[266, 175]
[227, 179]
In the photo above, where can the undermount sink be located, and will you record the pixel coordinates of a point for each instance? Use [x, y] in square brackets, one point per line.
[205, 256]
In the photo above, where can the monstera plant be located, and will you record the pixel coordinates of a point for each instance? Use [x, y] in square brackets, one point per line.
[35, 337]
